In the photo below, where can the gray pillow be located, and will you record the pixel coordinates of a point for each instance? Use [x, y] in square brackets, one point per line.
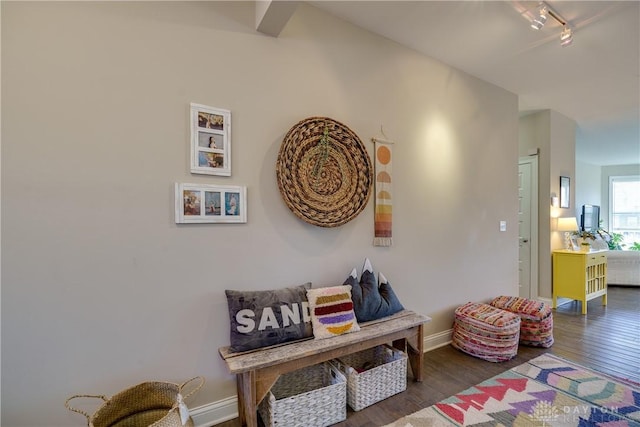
[263, 318]
[370, 301]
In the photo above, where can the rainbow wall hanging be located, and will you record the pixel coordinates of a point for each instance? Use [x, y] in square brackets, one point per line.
[383, 192]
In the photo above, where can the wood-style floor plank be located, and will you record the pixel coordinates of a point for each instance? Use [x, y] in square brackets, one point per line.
[607, 339]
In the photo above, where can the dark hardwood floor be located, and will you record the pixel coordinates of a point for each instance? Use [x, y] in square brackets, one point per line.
[606, 339]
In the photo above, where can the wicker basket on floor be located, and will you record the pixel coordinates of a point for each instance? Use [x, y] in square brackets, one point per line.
[373, 375]
[315, 396]
[152, 404]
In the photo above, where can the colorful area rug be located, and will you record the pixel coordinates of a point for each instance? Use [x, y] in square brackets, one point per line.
[546, 391]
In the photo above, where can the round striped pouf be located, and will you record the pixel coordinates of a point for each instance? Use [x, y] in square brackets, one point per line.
[487, 332]
[536, 319]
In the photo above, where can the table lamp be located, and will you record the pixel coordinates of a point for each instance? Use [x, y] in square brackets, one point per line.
[567, 225]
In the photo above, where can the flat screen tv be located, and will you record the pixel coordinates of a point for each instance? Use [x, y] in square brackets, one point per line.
[590, 218]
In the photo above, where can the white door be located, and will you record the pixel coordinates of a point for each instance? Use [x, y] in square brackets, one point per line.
[528, 227]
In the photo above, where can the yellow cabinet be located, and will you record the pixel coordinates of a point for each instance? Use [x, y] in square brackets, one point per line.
[580, 276]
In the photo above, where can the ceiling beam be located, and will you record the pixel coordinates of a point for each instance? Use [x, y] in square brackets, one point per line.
[272, 16]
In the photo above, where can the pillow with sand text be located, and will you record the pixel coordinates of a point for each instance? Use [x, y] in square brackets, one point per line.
[370, 300]
[264, 318]
[332, 311]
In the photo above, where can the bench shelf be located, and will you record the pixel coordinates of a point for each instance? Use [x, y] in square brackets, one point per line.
[258, 370]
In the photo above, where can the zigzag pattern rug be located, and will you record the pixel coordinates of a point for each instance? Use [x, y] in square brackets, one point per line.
[546, 391]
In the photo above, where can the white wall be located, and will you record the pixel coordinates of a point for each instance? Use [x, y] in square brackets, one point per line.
[563, 154]
[554, 136]
[588, 186]
[102, 290]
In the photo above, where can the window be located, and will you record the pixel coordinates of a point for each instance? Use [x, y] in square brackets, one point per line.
[624, 207]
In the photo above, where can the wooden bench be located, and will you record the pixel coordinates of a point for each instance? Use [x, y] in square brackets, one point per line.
[258, 370]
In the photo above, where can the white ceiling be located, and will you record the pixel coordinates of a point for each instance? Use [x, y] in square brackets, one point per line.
[595, 81]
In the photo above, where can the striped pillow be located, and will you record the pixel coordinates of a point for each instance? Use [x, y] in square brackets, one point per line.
[332, 311]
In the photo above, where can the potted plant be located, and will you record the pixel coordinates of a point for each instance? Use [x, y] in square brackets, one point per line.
[614, 240]
[615, 243]
[584, 239]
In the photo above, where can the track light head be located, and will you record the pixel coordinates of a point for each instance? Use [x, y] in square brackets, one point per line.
[539, 21]
[566, 37]
[544, 11]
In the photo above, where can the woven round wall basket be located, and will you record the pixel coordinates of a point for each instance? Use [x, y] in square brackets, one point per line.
[324, 172]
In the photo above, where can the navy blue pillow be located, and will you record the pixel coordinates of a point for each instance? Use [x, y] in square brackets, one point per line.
[370, 300]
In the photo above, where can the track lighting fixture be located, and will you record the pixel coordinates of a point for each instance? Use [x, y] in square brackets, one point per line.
[538, 21]
[566, 37]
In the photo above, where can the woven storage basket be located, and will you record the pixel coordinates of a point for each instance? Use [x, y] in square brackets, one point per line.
[149, 404]
[383, 373]
[324, 172]
[315, 396]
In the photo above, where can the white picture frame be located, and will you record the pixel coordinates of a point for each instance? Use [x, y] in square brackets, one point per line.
[565, 189]
[203, 203]
[210, 140]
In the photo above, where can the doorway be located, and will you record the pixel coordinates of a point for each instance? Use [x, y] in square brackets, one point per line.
[528, 227]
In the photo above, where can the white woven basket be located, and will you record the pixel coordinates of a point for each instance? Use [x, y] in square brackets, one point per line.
[383, 373]
[315, 396]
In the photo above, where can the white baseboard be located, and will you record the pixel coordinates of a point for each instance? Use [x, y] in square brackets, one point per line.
[547, 300]
[227, 409]
[438, 340]
[215, 412]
